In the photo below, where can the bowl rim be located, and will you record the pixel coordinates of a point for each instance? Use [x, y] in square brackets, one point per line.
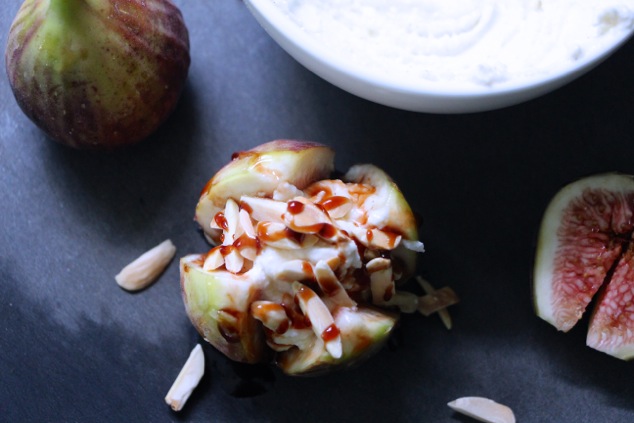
[302, 41]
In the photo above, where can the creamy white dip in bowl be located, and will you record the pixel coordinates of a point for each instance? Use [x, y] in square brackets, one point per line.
[438, 56]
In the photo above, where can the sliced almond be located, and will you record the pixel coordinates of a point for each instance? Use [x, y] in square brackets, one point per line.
[213, 259]
[318, 198]
[321, 320]
[264, 209]
[383, 240]
[328, 188]
[247, 223]
[147, 267]
[187, 379]
[483, 409]
[277, 235]
[381, 280]
[248, 250]
[442, 313]
[337, 206]
[438, 300]
[334, 263]
[232, 217]
[234, 260]
[293, 337]
[305, 217]
[375, 238]
[377, 264]
[272, 315]
[330, 285]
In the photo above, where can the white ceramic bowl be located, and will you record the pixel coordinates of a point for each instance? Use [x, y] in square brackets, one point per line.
[409, 95]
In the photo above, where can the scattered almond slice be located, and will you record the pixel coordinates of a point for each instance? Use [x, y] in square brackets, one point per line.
[147, 267]
[187, 379]
[442, 313]
[483, 409]
[321, 320]
[438, 300]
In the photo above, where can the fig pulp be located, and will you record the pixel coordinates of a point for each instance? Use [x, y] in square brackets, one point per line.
[585, 250]
[97, 74]
[303, 268]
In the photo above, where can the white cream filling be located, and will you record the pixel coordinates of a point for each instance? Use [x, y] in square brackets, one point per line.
[463, 42]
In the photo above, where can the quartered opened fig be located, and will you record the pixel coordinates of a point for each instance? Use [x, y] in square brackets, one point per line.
[585, 259]
[97, 74]
[304, 268]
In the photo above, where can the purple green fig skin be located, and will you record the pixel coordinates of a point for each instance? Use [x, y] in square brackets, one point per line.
[97, 74]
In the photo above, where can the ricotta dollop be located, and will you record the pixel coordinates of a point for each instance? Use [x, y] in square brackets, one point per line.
[463, 42]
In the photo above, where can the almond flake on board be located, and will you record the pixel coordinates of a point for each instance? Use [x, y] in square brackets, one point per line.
[483, 409]
[443, 313]
[146, 268]
[187, 379]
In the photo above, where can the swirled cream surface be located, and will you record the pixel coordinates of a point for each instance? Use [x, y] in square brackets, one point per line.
[463, 42]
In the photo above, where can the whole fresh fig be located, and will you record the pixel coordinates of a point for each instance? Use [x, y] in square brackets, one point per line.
[98, 74]
[305, 268]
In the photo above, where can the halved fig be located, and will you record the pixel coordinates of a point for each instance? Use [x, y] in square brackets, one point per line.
[302, 266]
[584, 251]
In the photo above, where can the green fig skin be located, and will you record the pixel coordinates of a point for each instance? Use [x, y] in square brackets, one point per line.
[364, 332]
[97, 74]
[217, 304]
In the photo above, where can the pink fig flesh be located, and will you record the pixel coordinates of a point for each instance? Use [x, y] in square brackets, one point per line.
[584, 253]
